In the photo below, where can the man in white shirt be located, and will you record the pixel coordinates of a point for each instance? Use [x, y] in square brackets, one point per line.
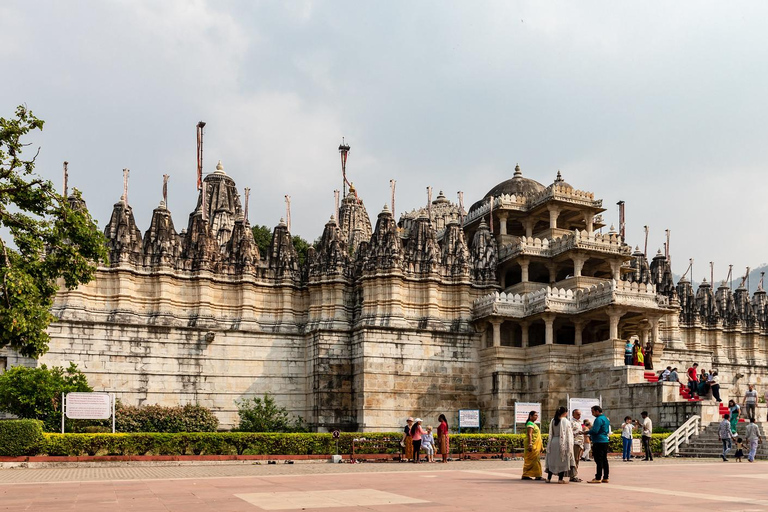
[750, 401]
[665, 374]
[578, 443]
[714, 384]
[647, 426]
[753, 437]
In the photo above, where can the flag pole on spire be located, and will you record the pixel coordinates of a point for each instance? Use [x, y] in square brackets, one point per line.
[344, 151]
[200, 127]
[66, 179]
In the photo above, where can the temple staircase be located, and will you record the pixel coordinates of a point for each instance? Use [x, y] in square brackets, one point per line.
[707, 444]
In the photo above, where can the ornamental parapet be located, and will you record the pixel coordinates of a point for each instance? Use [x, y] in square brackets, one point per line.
[548, 248]
[568, 302]
[565, 194]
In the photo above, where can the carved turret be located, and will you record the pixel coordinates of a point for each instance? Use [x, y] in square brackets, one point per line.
[454, 256]
[421, 250]
[743, 307]
[222, 204]
[123, 237]
[484, 258]
[241, 253]
[162, 245]
[641, 273]
[199, 248]
[725, 305]
[760, 307]
[661, 275]
[705, 304]
[354, 223]
[283, 259]
[385, 250]
[688, 314]
[331, 257]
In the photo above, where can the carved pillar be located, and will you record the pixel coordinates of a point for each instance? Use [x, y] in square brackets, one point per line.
[524, 263]
[578, 264]
[528, 224]
[614, 315]
[554, 212]
[615, 269]
[524, 329]
[579, 327]
[496, 332]
[552, 272]
[589, 219]
[549, 328]
[503, 223]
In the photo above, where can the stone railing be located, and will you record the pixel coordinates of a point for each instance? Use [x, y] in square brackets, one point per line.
[566, 301]
[567, 194]
[548, 248]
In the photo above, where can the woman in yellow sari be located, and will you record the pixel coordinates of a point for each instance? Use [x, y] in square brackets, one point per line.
[533, 448]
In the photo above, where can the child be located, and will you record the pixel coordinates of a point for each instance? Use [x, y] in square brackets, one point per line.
[428, 443]
[739, 449]
[587, 442]
[626, 439]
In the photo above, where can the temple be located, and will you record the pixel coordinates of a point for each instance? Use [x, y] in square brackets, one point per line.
[522, 298]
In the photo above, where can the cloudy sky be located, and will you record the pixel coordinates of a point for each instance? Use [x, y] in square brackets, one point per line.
[663, 105]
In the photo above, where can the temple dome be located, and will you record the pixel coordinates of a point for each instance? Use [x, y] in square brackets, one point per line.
[517, 185]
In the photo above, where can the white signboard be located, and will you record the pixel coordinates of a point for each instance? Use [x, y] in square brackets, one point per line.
[585, 406]
[88, 406]
[522, 409]
[637, 447]
[469, 418]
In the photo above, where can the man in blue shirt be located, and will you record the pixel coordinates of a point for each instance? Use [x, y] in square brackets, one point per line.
[599, 433]
[628, 353]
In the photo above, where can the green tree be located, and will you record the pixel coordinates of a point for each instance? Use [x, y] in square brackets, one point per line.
[302, 248]
[264, 415]
[35, 393]
[49, 238]
[263, 237]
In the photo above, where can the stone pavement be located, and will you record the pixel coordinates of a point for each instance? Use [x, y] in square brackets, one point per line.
[458, 486]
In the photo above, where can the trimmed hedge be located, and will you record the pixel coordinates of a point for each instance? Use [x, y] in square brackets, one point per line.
[247, 443]
[157, 418]
[20, 437]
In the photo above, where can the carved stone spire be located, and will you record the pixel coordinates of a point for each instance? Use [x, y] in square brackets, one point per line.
[162, 245]
[484, 258]
[354, 223]
[241, 253]
[199, 247]
[283, 259]
[331, 257]
[222, 204]
[385, 250]
[123, 237]
[421, 250]
[454, 256]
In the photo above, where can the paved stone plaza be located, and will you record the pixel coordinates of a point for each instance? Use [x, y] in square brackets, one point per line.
[481, 485]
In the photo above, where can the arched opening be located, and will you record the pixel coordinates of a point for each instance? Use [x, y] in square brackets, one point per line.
[515, 227]
[595, 330]
[536, 333]
[564, 270]
[513, 276]
[564, 331]
[538, 273]
[511, 334]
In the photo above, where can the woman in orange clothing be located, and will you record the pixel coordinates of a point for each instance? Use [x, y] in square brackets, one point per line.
[442, 437]
[407, 442]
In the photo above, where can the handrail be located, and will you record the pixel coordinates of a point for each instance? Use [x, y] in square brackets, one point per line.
[671, 445]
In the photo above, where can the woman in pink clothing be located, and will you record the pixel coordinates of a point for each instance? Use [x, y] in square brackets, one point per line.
[416, 433]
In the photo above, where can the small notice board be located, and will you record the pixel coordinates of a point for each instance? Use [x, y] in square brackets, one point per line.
[469, 418]
[523, 409]
[88, 406]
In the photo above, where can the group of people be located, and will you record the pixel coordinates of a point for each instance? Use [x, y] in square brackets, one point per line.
[628, 428]
[699, 383]
[567, 442]
[727, 434]
[635, 354]
[416, 438]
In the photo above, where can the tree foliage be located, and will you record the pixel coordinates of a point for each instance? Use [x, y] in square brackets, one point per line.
[49, 238]
[35, 393]
[263, 237]
[264, 415]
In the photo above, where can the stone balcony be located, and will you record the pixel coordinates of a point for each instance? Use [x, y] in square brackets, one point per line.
[573, 240]
[567, 301]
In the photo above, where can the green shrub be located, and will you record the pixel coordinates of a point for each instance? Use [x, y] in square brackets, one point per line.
[157, 418]
[20, 437]
[264, 415]
[263, 443]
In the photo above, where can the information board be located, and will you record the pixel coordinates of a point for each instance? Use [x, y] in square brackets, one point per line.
[637, 446]
[88, 406]
[469, 418]
[584, 405]
[522, 409]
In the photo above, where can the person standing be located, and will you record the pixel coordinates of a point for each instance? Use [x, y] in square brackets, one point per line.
[587, 442]
[599, 434]
[416, 433]
[560, 447]
[715, 385]
[647, 435]
[753, 438]
[578, 443]
[648, 356]
[533, 447]
[673, 376]
[442, 437]
[693, 379]
[640, 355]
[635, 352]
[626, 439]
[734, 411]
[628, 351]
[725, 435]
[407, 441]
[750, 401]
